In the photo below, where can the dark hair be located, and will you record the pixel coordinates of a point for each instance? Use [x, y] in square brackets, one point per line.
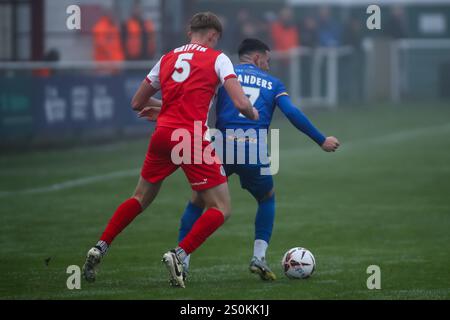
[203, 21]
[252, 45]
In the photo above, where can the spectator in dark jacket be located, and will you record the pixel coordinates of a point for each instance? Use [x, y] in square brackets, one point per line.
[329, 29]
[353, 33]
[308, 32]
[397, 25]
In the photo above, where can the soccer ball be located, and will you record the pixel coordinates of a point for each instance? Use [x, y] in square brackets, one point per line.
[298, 263]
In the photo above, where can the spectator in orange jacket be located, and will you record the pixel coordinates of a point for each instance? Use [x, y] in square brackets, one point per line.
[133, 38]
[284, 31]
[107, 40]
[139, 36]
[150, 39]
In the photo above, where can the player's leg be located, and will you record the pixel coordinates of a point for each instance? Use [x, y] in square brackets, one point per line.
[264, 221]
[157, 166]
[261, 188]
[143, 196]
[192, 212]
[218, 209]
[210, 182]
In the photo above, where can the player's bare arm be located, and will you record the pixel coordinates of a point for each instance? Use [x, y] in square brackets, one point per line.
[240, 100]
[142, 95]
[151, 109]
[153, 102]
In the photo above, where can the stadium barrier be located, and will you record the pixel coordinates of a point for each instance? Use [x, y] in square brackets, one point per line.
[312, 75]
[420, 69]
[43, 110]
[87, 99]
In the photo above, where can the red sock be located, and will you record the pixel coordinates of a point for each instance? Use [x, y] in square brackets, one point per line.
[208, 222]
[124, 214]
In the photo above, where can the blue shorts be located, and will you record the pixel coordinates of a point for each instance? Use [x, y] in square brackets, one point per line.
[251, 178]
[249, 172]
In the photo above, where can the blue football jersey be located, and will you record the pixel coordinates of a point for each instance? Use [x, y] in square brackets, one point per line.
[262, 90]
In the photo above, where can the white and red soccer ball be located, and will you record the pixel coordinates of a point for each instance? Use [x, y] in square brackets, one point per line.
[298, 263]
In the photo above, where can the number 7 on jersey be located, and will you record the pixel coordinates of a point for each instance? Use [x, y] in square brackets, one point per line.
[253, 95]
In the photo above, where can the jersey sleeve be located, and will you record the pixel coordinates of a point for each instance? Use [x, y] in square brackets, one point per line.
[153, 76]
[299, 119]
[224, 68]
[280, 90]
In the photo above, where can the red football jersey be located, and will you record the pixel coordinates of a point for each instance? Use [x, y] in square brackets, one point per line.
[189, 77]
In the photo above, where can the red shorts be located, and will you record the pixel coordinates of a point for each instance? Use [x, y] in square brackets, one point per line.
[204, 173]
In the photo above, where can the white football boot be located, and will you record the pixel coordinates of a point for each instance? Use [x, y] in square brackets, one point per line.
[93, 258]
[175, 268]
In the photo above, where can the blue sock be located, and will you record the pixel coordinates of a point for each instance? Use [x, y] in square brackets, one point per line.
[190, 215]
[265, 217]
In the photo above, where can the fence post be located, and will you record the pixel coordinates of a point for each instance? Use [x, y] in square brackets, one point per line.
[395, 70]
[294, 73]
[332, 78]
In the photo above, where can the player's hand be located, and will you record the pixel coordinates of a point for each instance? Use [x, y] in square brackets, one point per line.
[330, 144]
[151, 113]
[255, 114]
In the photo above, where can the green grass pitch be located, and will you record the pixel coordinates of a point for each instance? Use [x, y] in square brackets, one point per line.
[383, 199]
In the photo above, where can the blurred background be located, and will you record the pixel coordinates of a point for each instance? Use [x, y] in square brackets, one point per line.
[71, 148]
[58, 84]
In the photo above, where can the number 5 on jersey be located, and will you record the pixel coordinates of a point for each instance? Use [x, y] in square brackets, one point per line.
[183, 65]
[253, 95]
